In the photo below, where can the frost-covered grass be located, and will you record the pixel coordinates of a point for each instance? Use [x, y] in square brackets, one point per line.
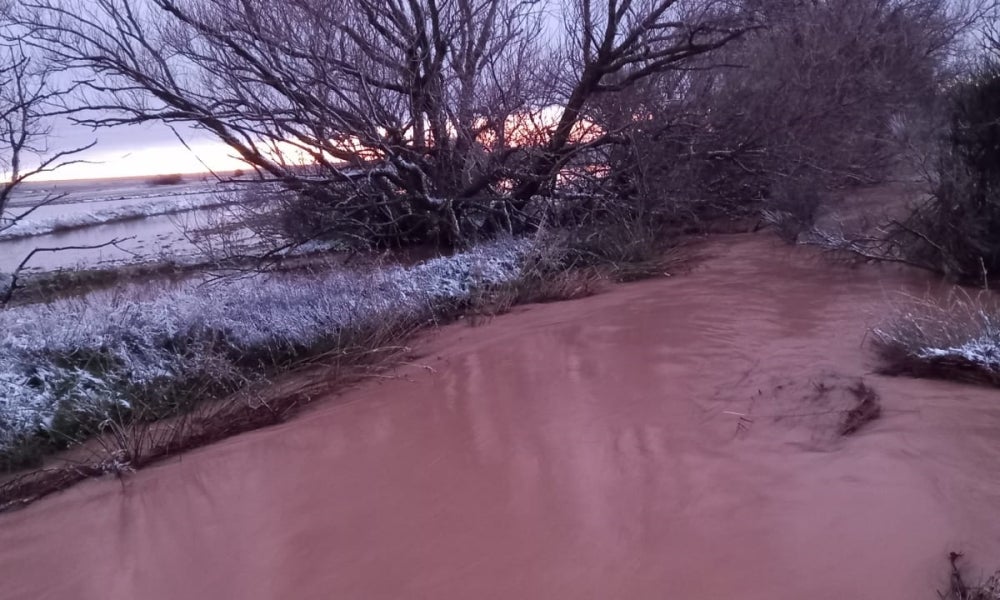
[40, 226]
[954, 337]
[70, 367]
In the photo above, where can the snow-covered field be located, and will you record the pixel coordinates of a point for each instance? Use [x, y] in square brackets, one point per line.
[83, 357]
[156, 219]
[40, 225]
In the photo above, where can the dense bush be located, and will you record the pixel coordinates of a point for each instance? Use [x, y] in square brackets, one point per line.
[956, 231]
[810, 103]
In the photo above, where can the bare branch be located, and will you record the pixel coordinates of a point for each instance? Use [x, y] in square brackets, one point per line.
[15, 274]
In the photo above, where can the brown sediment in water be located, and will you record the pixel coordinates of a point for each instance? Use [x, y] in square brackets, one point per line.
[674, 438]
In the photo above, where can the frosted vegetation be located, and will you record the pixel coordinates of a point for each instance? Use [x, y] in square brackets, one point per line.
[30, 227]
[957, 336]
[67, 366]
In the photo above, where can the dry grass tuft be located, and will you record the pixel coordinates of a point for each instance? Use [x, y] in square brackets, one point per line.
[553, 287]
[955, 337]
[567, 269]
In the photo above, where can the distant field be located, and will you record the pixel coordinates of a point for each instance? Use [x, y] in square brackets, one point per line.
[91, 212]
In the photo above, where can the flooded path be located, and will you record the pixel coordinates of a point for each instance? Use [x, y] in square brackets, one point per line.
[673, 438]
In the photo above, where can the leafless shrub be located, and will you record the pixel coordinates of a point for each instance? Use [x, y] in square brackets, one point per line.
[952, 337]
[566, 266]
[953, 228]
[29, 96]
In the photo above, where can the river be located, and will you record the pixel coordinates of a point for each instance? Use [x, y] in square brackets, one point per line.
[672, 438]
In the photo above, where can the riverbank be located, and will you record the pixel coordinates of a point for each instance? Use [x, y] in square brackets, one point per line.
[152, 371]
[70, 368]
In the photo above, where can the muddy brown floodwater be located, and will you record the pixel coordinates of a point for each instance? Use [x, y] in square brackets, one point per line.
[673, 438]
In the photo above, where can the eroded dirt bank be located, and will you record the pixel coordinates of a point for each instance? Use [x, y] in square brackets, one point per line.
[588, 449]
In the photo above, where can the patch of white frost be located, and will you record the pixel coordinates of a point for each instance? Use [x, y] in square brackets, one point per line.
[984, 352]
[85, 354]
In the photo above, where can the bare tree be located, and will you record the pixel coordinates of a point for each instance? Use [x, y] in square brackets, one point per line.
[27, 100]
[397, 120]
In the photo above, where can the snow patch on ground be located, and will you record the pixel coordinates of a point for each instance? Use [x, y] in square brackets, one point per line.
[984, 352]
[83, 355]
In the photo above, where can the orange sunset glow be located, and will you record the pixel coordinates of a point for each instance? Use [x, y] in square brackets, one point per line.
[527, 129]
[156, 160]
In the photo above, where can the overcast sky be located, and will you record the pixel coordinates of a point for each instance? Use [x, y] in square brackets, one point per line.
[138, 150]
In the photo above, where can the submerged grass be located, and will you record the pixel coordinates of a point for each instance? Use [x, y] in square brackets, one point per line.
[867, 409]
[952, 337]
